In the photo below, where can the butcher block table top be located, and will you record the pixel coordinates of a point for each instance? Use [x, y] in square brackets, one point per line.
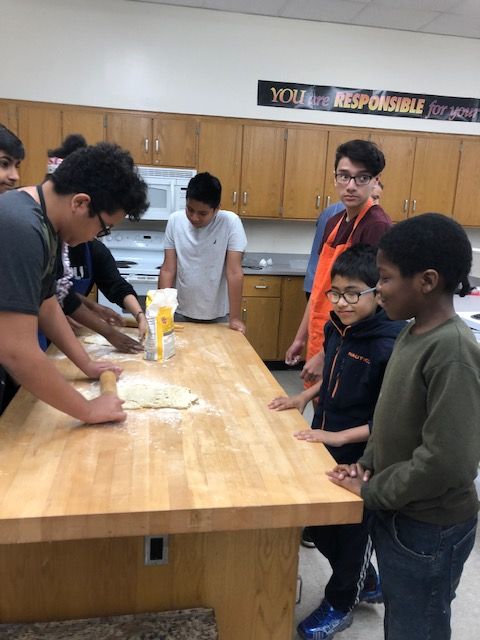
[226, 463]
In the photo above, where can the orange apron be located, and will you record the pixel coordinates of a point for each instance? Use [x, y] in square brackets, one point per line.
[320, 306]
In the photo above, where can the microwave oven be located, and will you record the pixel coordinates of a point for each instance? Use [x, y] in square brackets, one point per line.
[166, 190]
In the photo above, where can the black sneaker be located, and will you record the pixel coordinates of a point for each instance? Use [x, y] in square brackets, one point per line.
[306, 541]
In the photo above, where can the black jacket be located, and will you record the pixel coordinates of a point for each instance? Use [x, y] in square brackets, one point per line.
[355, 361]
[104, 274]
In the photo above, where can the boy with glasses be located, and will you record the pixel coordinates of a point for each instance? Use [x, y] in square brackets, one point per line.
[359, 339]
[94, 183]
[358, 165]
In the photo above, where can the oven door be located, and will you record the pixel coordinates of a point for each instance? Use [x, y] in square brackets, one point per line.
[142, 284]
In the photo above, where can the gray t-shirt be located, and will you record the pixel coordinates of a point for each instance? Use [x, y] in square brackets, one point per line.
[201, 253]
[28, 254]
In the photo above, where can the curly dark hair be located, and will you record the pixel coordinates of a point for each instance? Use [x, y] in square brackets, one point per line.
[362, 152]
[71, 143]
[430, 241]
[11, 144]
[106, 173]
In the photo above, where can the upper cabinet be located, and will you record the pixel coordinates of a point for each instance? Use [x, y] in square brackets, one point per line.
[164, 140]
[220, 153]
[465, 209]
[91, 124]
[304, 173]
[399, 151]
[262, 171]
[434, 175]
[40, 129]
[8, 116]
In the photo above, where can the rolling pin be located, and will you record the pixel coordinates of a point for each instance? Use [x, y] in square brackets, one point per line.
[108, 383]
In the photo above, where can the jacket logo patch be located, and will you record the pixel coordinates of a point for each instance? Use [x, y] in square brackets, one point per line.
[356, 356]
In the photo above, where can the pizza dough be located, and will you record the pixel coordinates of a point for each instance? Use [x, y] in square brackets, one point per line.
[96, 338]
[146, 396]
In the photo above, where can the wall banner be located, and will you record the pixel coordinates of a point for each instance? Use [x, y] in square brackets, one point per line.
[290, 95]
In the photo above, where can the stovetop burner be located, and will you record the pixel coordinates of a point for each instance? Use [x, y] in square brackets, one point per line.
[123, 264]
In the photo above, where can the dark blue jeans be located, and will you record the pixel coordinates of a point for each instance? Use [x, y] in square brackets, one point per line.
[420, 565]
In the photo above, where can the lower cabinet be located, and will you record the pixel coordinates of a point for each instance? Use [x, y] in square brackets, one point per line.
[272, 308]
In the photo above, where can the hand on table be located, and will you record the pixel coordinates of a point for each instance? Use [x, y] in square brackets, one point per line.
[237, 325]
[293, 402]
[349, 476]
[122, 342]
[94, 368]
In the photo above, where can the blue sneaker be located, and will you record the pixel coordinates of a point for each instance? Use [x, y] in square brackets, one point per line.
[324, 622]
[372, 596]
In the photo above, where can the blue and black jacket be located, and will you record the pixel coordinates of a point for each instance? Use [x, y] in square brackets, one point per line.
[355, 361]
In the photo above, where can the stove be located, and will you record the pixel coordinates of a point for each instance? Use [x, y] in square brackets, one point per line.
[138, 256]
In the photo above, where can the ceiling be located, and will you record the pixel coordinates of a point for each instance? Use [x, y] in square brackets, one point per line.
[443, 17]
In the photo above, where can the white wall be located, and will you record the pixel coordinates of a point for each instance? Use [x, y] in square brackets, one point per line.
[121, 54]
[116, 53]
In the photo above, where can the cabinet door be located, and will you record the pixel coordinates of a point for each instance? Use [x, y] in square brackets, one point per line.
[467, 195]
[175, 142]
[304, 173]
[336, 137]
[220, 153]
[91, 124]
[293, 303]
[8, 116]
[132, 132]
[434, 175]
[40, 129]
[262, 171]
[399, 151]
[261, 317]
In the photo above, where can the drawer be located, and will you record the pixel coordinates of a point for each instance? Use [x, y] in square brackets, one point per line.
[267, 286]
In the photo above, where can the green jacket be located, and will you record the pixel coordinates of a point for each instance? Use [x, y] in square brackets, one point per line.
[425, 444]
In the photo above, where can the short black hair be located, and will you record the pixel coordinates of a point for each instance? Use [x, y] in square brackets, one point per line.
[106, 173]
[71, 143]
[358, 262]
[362, 152]
[11, 144]
[205, 188]
[430, 241]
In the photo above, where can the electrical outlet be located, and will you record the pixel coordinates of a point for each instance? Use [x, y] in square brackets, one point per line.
[156, 550]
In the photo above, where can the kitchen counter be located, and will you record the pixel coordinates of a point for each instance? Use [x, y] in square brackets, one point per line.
[283, 264]
[225, 479]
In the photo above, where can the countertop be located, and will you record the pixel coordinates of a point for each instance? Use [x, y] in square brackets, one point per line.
[283, 264]
[227, 463]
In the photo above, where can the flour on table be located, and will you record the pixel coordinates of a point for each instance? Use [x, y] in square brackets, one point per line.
[142, 396]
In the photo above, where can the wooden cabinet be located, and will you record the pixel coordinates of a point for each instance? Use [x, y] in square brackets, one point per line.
[91, 124]
[434, 175]
[8, 116]
[261, 313]
[399, 151]
[163, 140]
[467, 197]
[272, 309]
[263, 160]
[40, 129]
[293, 303]
[220, 153]
[304, 173]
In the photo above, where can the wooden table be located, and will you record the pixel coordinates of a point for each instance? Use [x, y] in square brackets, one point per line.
[225, 478]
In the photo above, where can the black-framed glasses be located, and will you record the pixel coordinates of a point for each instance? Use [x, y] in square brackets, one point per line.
[106, 228]
[360, 180]
[350, 297]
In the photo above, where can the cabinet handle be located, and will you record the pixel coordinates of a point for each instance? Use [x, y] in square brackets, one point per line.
[157, 145]
[327, 201]
[245, 197]
[146, 145]
[405, 206]
[234, 197]
[414, 206]
[317, 202]
[244, 315]
[261, 286]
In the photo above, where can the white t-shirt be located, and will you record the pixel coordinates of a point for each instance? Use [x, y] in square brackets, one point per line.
[201, 254]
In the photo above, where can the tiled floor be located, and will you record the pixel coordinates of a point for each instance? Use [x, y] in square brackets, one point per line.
[368, 621]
